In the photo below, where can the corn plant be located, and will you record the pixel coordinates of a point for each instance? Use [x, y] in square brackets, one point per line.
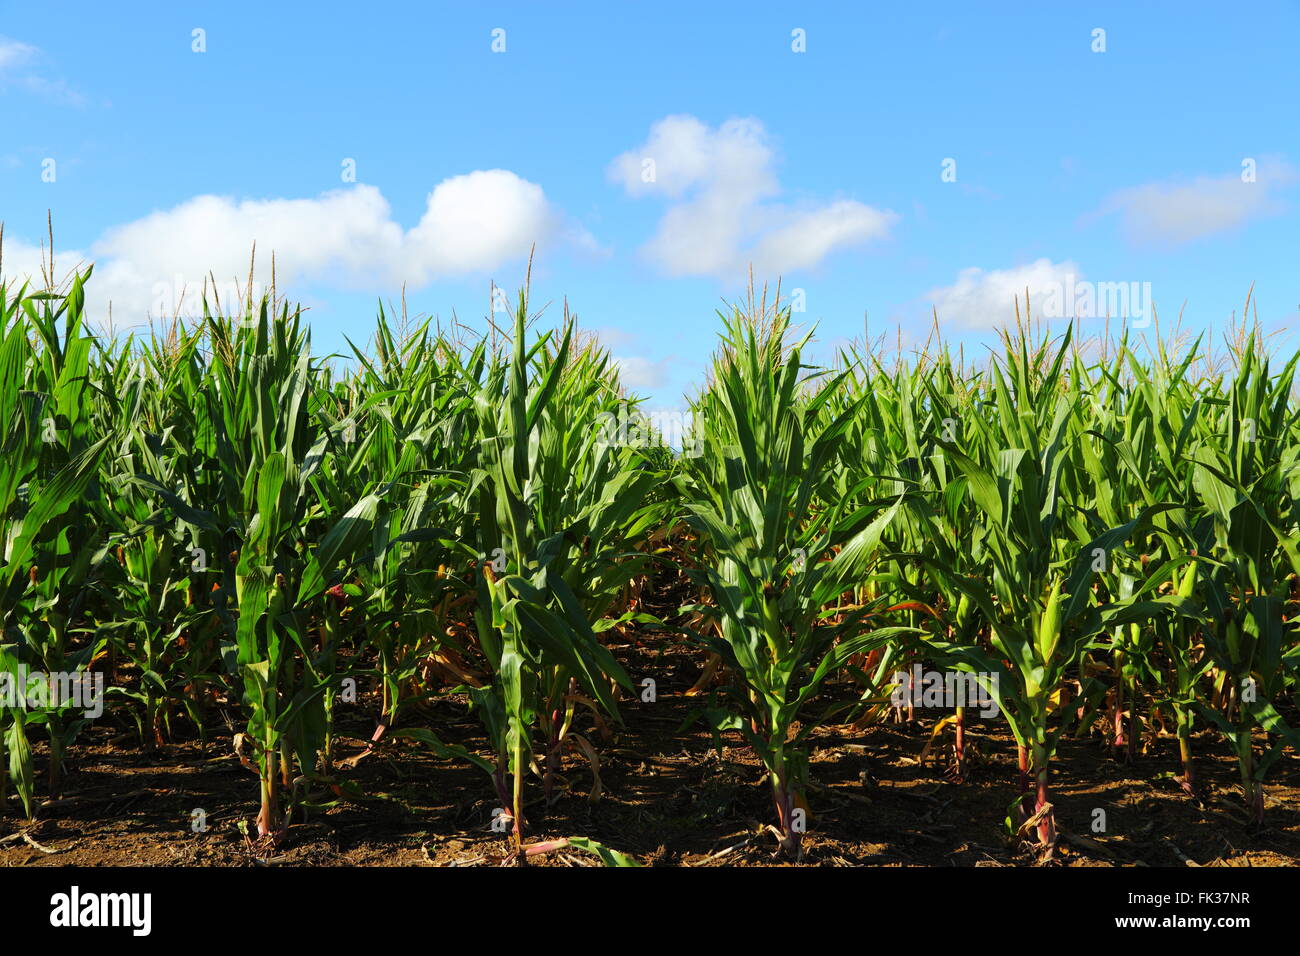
[905, 412]
[1181, 638]
[269, 449]
[409, 416]
[1037, 593]
[151, 618]
[553, 505]
[48, 477]
[1242, 476]
[782, 546]
[212, 514]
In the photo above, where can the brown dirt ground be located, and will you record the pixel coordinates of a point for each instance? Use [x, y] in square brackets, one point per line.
[670, 799]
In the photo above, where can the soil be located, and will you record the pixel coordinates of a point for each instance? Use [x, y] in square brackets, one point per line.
[669, 797]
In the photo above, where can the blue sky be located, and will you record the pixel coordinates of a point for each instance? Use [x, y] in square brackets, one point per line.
[826, 166]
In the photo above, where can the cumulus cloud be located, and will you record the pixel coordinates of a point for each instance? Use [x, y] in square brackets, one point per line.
[1183, 211]
[23, 261]
[809, 237]
[981, 299]
[721, 216]
[475, 221]
[345, 238]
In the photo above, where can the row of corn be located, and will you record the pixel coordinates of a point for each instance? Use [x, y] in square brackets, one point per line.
[218, 519]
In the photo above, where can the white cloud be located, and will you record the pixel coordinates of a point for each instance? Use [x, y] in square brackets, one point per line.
[16, 60]
[982, 299]
[1177, 212]
[809, 237]
[23, 260]
[685, 152]
[476, 221]
[14, 54]
[636, 371]
[613, 337]
[345, 238]
[721, 218]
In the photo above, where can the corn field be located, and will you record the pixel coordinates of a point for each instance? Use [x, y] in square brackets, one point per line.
[257, 547]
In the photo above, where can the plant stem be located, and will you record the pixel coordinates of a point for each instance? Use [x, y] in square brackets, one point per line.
[1047, 826]
[1185, 753]
[959, 745]
[519, 795]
